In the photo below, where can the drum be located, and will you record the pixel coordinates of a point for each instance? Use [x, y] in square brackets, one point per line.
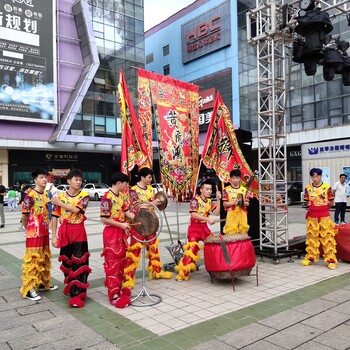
[240, 252]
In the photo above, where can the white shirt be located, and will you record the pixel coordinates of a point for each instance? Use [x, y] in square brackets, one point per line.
[340, 192]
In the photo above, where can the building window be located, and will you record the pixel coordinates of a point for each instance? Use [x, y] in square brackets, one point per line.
[166, 70]
[149, 58]
[166, 50]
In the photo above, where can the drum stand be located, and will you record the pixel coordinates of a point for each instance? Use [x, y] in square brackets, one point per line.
[154, 298]
[143, 293]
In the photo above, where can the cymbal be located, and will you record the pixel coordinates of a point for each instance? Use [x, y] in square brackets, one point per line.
[163, 200]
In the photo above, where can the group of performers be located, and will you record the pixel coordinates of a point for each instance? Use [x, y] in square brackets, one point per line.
[121, 242]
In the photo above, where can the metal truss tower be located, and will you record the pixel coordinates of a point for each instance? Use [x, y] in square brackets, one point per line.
[268, 30]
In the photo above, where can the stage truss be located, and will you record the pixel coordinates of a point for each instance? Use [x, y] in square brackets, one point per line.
[273, 22]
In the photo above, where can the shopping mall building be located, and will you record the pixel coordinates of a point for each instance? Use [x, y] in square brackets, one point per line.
[58, 92]
[206, 44]
[59, 68]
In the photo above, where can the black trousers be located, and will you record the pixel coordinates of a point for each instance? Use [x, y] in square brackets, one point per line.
[340, 209]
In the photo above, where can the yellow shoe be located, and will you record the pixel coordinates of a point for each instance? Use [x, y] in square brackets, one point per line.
[161, 274]
[180, 278]
[306, 262]
[332, 266]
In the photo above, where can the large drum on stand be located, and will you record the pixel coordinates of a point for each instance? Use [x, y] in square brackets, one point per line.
[229, 256]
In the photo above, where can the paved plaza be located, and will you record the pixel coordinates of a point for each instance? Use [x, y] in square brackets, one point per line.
[293, 307]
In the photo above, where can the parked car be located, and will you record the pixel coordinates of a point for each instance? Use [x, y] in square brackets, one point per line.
[62, 188]
[18, 197]
[294, 191]
[96, 191]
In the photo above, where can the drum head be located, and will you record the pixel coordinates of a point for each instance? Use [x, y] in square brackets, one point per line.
[148, 222]
[163, 199]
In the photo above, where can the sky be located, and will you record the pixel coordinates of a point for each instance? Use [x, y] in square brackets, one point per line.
[157, 11]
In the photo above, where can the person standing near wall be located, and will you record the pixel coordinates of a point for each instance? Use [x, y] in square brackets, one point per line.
[340, 190]
[2, 215]
[11, 198]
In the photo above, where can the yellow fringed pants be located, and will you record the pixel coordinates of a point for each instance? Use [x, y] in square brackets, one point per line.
[36, 264]
[320, 232]
[236, 222]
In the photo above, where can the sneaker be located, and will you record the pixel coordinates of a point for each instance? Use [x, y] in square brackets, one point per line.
[2, 226]
[33, 295]
[43, 289]
[343, 222]
[332, 266]
[336, 222]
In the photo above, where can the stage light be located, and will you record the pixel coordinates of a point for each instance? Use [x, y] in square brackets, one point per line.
[346, 71]
[332, 63]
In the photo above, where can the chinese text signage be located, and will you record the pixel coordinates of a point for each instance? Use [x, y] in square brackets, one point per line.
[206, 33]
[27, 60]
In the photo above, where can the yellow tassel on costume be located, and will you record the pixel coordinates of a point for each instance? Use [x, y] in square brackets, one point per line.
[135, 246]
[129, 283]
[192, 244]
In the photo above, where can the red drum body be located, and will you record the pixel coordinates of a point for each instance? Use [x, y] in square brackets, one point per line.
[343, 242]
[240, 251]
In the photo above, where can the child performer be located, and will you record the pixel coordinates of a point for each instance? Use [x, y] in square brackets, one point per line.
[144, 192]
[320, 227]
[37, 258]
[69, 209]
[236, 220]
[113, 210]
[200, 208]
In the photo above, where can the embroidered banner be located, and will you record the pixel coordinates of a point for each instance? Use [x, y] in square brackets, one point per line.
[133, 147]
[176, 113]
[221, 150]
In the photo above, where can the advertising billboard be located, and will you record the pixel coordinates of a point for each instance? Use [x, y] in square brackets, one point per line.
[206, 33]
[28, 60]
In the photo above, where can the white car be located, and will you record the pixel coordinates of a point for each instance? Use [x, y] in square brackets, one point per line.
[96, 191]
[62, 188]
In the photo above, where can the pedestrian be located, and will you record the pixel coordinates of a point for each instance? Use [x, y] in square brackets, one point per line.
[201, 207]
[340, 190]
[69, 210]
[113, 212]
[11, 198]
[144, 192]
[236, 220]
[320, 227]
[2, 215]
[37, 258]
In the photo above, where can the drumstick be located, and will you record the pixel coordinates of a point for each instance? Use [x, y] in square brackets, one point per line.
[135, 224]
[220, 220]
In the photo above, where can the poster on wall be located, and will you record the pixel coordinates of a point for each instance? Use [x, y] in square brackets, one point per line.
[346, 171]
[28, 60]
[325, 175]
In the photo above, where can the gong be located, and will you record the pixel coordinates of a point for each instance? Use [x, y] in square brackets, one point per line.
[146, 222]
[163, 200]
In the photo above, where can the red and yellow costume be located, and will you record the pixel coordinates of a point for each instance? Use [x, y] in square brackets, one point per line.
[197, 231]
[138, 194]
[72, 241]
[319, 225]
[115, 246]
[37, 258]
[236, 220]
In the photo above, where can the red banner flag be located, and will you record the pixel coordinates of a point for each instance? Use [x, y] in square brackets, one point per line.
[177, 121]
[221, 150]
[133, 147]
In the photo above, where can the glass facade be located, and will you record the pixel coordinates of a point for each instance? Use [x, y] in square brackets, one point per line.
[119, 33]
[313, 103]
